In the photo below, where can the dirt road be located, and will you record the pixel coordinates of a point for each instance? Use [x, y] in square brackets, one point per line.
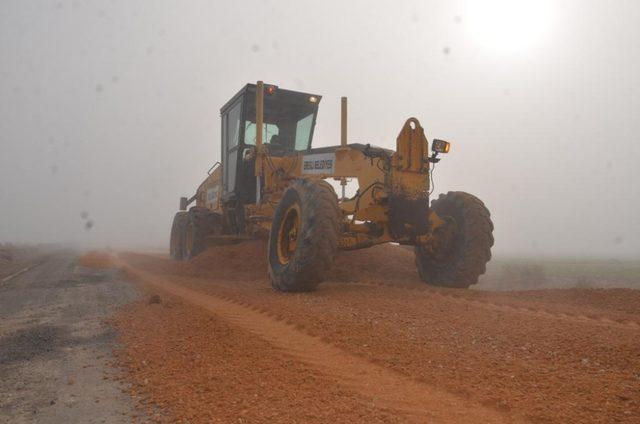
[54, 346]
[373, 344]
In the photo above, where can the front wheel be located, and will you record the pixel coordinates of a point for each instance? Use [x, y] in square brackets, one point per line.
[461, 247]
[303, 239]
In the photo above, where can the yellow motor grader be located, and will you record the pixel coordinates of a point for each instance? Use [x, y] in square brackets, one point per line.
[271, 182]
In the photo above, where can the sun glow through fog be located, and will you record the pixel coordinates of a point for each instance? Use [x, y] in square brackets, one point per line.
[508, 25]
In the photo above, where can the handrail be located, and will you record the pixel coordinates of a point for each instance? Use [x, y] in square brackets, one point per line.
[212, 167]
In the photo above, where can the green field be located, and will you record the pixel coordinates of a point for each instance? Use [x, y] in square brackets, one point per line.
[536, 273]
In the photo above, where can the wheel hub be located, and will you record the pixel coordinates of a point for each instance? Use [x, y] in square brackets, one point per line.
[288, 234]
[443, 242]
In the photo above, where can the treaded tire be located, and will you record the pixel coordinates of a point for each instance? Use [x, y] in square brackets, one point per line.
[176, 242]
[471, 247]
[316, 243]
[199, 226]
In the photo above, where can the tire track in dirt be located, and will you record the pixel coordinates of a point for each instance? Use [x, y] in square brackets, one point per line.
[20, 272]
[529, 311]
[371, 279]
[389, 389]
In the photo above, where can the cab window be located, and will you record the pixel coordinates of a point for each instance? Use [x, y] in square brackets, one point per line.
[268, 131]
[303, 132]
[233, 129]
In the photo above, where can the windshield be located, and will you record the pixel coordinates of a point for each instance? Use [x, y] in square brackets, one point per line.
[288, 120]
[271, 134]
[268, 131]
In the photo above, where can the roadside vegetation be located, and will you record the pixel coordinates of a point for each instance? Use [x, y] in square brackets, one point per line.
[540, 273]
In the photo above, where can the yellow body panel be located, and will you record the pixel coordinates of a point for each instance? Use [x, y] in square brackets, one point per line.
[210, 191]
[410, 163]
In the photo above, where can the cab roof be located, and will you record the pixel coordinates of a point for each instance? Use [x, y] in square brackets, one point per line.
[289, 94]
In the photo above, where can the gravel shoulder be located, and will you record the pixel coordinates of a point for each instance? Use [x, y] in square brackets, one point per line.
[55, 348]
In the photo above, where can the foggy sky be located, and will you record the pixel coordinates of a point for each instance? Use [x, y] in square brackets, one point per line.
[109, 111]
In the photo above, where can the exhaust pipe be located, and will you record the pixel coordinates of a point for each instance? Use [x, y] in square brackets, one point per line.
[343, 122]
[343, 138]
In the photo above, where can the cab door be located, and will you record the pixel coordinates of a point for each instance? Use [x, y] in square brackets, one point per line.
[231, 145]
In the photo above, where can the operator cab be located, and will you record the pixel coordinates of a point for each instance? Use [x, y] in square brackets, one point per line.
[289, 121]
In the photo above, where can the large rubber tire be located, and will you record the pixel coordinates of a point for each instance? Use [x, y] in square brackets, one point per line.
[176, 242]
[202, 223]
[467, 256]
[316, 239]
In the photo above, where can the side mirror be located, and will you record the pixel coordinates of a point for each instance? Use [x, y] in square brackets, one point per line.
[183, 203]
[248, 154]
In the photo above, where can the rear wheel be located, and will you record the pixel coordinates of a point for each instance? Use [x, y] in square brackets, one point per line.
[178, 229]
[461, 247]
[201, 223]
[303, 239]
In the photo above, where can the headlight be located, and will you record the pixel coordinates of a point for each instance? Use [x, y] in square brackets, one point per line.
[440, 146]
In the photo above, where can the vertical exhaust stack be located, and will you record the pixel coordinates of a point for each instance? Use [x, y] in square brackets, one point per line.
[343, 122]
[259, 125]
